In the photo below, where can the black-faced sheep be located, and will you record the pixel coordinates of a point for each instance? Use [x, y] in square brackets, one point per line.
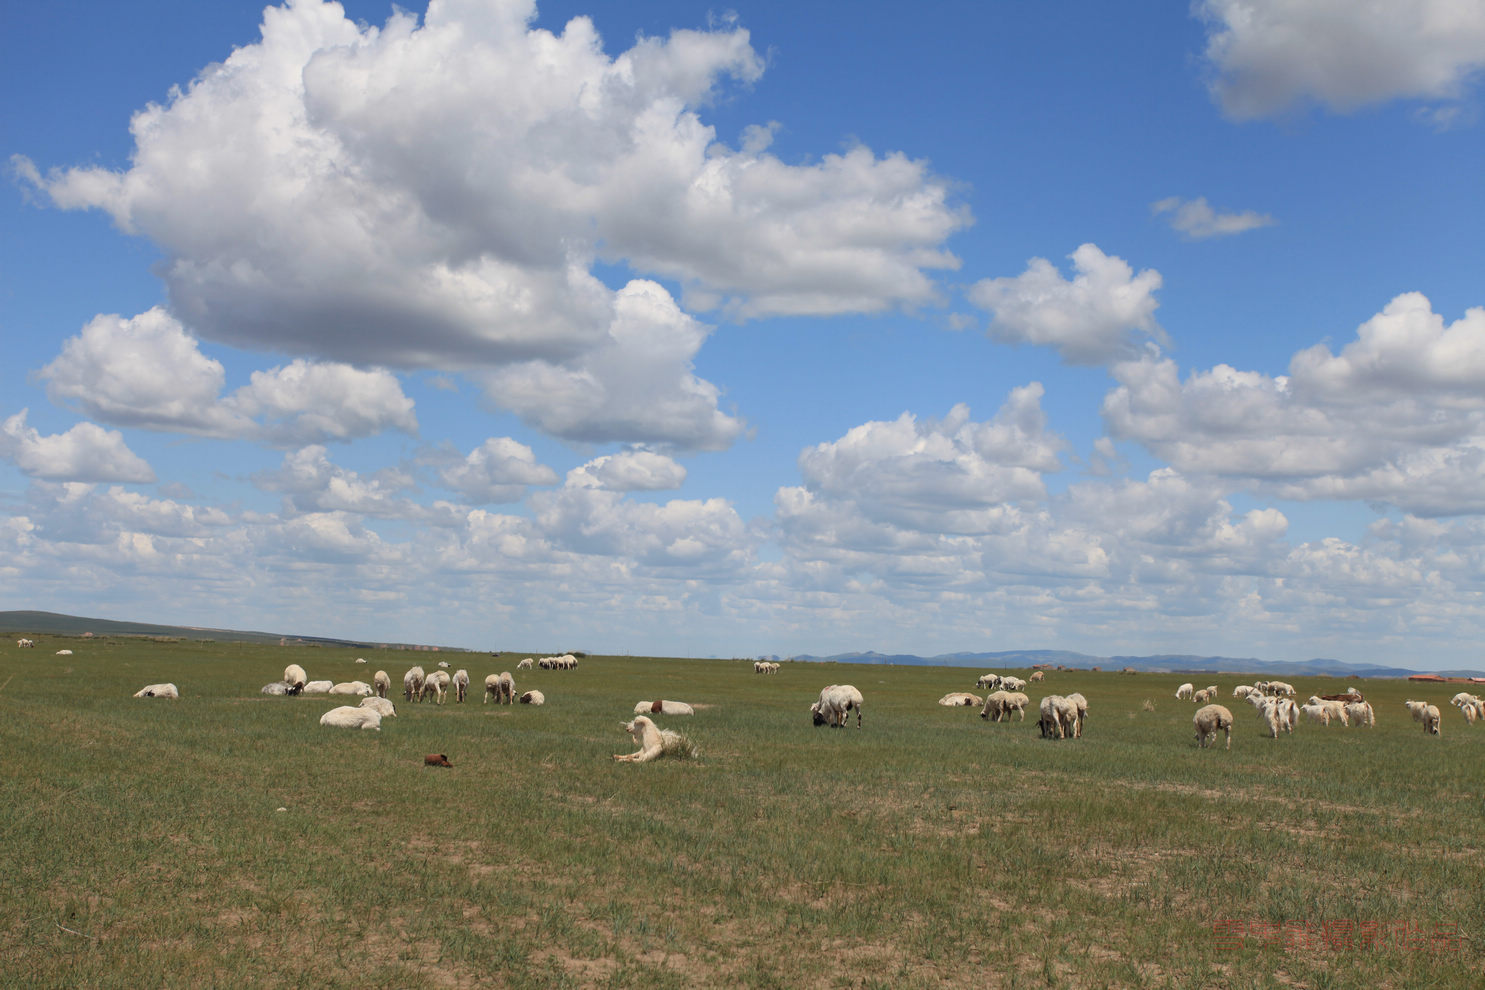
[295, 677]
[533, 698]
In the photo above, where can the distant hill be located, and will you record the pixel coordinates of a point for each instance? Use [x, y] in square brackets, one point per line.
[23, 623]
[1159, 663]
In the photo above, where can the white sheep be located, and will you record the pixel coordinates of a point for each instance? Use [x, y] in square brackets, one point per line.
[1361, 713]
[437, 684]
[990, 682]
[382, 683]
[358, 688]
[1184, 692]
[533, 698]
[461, 685]
[360, 659]
[1428, 714]
[1316, 713]
[835, 704]
[1335, 709]
[1057, 715]
[158, 691]
[501, 687]
[663, 707]
[295, 677]
[443, 663]
[1242, 691]
[276, 688]
[1013, 684]
[1081, 703]
[25, 643]
[64, 653]
[1209, 721]
[1469, 705]
[381, 706]
[412, 684]
[654, 742]
[1036, 675]
[960, 699]
[317, 687]
[524, 664]
[1203, 696]
[347, 717]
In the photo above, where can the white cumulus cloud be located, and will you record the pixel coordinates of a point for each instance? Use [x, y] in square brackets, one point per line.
[86, 452]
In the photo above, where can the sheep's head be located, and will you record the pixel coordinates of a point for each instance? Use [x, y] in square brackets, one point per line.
[816, 715]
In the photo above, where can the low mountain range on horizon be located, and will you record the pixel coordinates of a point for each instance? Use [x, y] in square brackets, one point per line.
[1163, 663]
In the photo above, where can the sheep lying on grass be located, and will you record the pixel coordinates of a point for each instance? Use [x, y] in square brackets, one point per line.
[318, 687]
[381, 706]
[277, 687]
[654, 742]
[960, 699]
[347, 717]
[1211, 720]
[157, 691]
[663, 707]
[533, 698]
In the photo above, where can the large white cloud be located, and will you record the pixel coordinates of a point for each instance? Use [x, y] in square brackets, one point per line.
[86, 452]
[1397, 417]
[1091, 318]
[498, 470]
[437, 195]
[147, 371]
[1268, 56]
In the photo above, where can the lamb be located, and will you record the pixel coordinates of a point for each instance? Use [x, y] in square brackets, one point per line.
[461, 685]
[158, 691]
[835, 704]
[661, 707]
[346, 717]
[295, 677]
[359, 688]
[412, 683]
[443, 663]
[381, 706]
[1209, 721]
[1428, 714]
[382, 683]
[960, 699]
[318, 687]
[654, 742]
[1185, 691]
[360, 659]
[533, 698]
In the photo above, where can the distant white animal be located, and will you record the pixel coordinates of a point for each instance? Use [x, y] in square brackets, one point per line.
[1185, 691]
[1469, 705]
[64, 653]
[382, 683]
[357, 688]
[835, 705]
[24, 643]
[961, 699]
[989, 682]
[653, 742]
[1211, 720]
[1203, 696]
[437, 684]
[360, 659]
[295, 677]
[533, 698]
[346, 717]
[1361, 713]
[318, 687]
[443, 663]
[157, 691]
[461, 685]
[1013, 684]
[277, 687]
[1036, 675]
[525, 664]
[381, 706]
[1428, 714]
[1081, 703]
[662, 707]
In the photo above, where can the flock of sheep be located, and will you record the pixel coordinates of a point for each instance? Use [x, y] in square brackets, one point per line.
[1059, 716]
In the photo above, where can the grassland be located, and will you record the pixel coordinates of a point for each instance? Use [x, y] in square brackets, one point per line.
[226, 839]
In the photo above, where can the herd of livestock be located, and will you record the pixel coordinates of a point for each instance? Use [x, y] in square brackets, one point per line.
[1059, 716]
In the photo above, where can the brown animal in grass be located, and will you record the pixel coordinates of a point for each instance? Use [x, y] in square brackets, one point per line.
[436, 760]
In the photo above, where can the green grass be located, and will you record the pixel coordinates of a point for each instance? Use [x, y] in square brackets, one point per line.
[142, 845]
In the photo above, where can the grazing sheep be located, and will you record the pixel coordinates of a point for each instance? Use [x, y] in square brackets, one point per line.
[461, 685]
[1185, 691]
[1428, 714]
[436, 760]
[1242, 691]
[1081, 703]
[412, 684]
[524, 664]
[990, 682]
[318, 687]
[1209, 721]
[1471, 706]
[277, 687]
[1036, 675]
[381, 706]
[1278, 689]
[996, 706]
[1203, 696]
[1057, 714]
[158, 691]
[437, 685]
[661, 707]
[346, 717]
[1361, 713]
[533, 698]
[959, 699]
[835, 704]
[295, 677]
[654, 742]
[382, 683]
[24, 643]
[1335, 709]
[1012, 684]
[1316, 713]
[358, 688]
[501, 687]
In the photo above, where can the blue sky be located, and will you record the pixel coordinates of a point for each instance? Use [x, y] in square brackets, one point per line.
[668, 329]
